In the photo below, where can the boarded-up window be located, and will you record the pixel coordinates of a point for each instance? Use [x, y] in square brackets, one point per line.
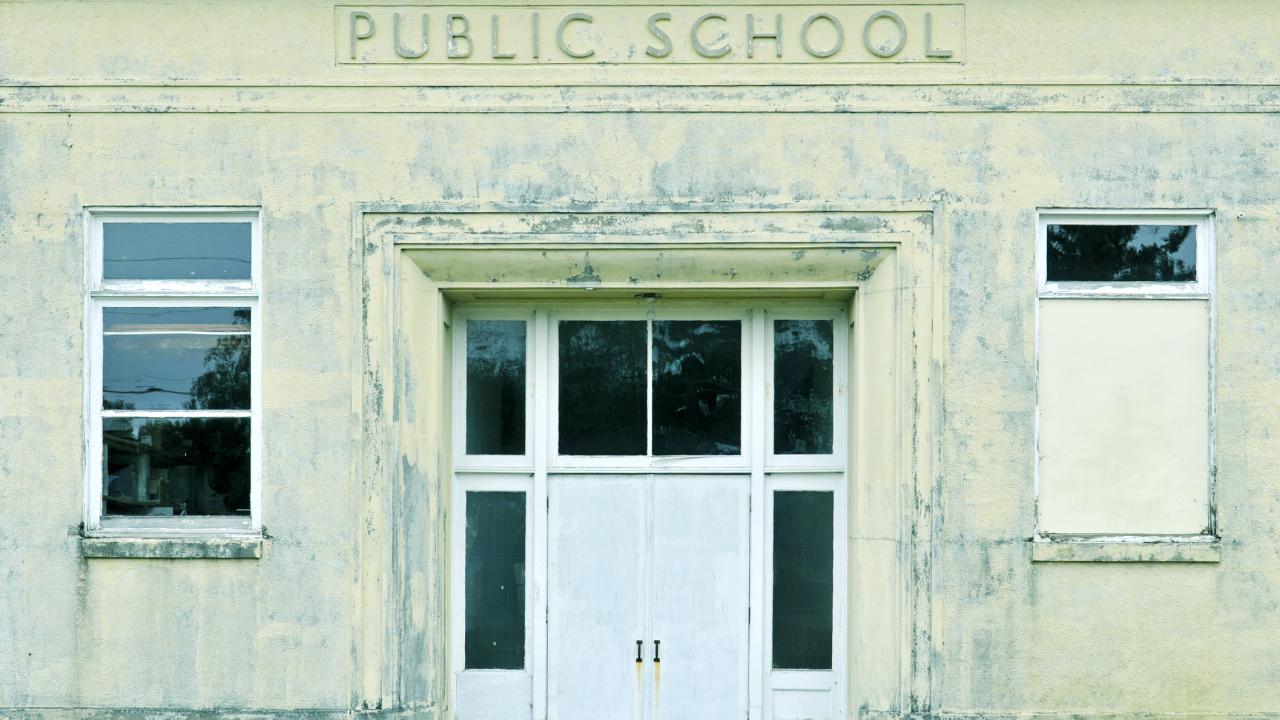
[1125, 396]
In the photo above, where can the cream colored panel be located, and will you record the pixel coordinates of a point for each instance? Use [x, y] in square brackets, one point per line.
[1124, 416]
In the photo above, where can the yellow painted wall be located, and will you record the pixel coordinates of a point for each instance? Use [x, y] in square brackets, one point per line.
[1072, 104]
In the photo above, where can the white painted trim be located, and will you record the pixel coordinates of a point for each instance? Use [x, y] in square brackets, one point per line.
[832, 680]
[463, 461]
[168, 294]
[457, 572]
[1203, 289]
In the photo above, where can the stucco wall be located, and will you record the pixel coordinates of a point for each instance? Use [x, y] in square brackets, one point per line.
[1012, 636]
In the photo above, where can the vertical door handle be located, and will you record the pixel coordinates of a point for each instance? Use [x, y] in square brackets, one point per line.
[656, 644]
[639, 645]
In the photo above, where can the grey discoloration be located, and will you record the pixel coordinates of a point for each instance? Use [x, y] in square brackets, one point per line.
[172, 548]
[989, 635]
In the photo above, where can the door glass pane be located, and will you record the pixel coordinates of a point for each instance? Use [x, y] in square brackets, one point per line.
[495, 387]
[697, 387]
[803, 556]
[803, 422]
[495, 580]
[196, 466]
[602, 387]
[175, 358]
[177, 251]
[1121, 253]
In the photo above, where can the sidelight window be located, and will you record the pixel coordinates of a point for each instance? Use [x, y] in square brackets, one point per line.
[173, 381]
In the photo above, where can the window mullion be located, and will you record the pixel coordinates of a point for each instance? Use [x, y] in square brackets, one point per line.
[648, 383]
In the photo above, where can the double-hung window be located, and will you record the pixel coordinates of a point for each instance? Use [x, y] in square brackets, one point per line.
[172, 392]
[1125, 353]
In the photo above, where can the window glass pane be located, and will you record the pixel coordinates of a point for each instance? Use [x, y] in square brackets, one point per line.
[175, 358]
[602, 387]
[177, 251]
[495, 387]
[1121, 253]
[803, 374]
[495, 580]
[196, 466]
[803, 556]
[697, 387]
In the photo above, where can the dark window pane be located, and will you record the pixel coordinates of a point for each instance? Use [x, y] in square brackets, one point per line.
[697, 387]
[495, 387]
[602, 387]
[175, 358]
[495, 580]
[197, 466]
[802, 379]
[177, 251]
[803, 556]
[1122, 253]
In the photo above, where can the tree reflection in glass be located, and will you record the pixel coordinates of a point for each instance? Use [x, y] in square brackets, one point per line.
[803, 375]
[1121, 253]
[176, 465]
[697, 387]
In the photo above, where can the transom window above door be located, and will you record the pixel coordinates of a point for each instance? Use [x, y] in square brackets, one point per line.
[648, 385]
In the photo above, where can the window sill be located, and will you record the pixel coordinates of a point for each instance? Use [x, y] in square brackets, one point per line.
[248, 547]
[1158, 551]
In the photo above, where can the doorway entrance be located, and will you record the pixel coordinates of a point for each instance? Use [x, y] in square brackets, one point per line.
[648, 514]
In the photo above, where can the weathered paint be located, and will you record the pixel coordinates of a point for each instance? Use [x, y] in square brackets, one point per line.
[225, 103]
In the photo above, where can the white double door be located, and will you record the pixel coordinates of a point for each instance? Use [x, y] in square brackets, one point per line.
[659, 560]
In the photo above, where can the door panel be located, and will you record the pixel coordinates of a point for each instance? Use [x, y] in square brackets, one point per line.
[596, 600]
[701, 562]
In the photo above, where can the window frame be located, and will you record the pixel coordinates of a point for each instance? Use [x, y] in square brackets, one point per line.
[462, 460]
[836, 460]
[102, 294]
[678, 310]
[487, 482]
[1203, 289]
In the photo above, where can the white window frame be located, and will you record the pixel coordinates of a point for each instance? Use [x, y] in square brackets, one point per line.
[470, 483]
[103, 293]
[518, 463]
[834, 462]
[736, 464]
[1203, 289]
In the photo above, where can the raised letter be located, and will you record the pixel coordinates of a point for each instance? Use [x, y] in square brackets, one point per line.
[564, 47]
[455, 35]
[701, 49]
[356, 34]
[804, 35]
[494, 52]
[661, 34]
[881, 51]
[929, 49]
[411, 54]
[775, 36]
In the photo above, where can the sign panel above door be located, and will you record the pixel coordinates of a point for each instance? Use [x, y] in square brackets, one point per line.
[649, 34]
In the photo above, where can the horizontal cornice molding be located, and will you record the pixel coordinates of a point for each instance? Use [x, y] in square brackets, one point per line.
[879, 98]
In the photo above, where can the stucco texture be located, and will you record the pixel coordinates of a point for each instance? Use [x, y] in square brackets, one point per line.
[280, 632]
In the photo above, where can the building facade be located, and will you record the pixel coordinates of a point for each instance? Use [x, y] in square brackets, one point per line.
[786, 361]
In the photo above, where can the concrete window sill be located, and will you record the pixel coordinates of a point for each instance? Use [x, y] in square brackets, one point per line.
[1143, 552]
[173, 548]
